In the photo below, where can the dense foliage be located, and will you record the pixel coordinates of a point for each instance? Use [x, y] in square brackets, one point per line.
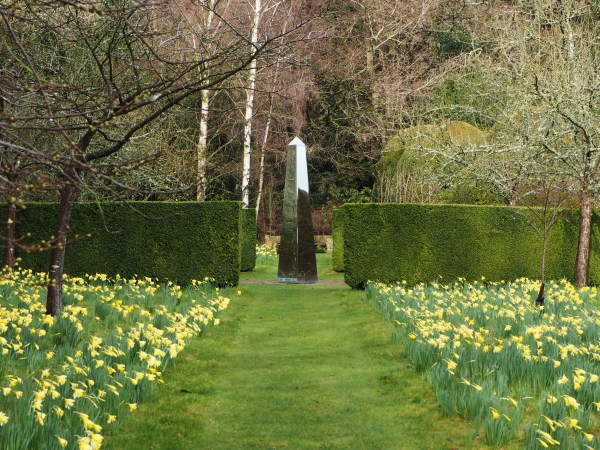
[248, 240]
[179, 241]
[420, 243]
[337, 254]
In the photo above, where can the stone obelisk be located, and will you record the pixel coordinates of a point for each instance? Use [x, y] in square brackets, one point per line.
[297, 259]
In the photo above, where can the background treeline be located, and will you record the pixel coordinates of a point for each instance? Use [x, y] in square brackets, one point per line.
[360, 74]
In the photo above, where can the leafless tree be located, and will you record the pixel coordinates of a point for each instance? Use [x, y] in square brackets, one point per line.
[548, 58]
[106, 72]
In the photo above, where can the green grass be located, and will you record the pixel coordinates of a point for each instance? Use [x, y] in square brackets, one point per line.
[293, 366]
[267, 271]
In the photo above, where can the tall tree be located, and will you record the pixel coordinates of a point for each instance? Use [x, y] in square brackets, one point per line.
[207, 29]
[249, 107]
[113, 70]
[539, 88]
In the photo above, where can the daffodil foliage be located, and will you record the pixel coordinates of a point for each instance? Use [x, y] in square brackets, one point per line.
[64, 379]
[518, 371]
[265, 253]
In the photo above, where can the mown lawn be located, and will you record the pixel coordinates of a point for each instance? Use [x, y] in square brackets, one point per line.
[293, 366]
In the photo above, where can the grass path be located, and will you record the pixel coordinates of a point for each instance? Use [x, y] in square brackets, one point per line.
[292, 366]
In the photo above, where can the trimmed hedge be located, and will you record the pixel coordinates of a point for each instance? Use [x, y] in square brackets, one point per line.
[337, 231]
[179, 241]
[248, 249]
[421, 243]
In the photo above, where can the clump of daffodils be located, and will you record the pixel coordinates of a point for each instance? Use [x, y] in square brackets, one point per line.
[490, 355]
[265, 253]
[76, 373]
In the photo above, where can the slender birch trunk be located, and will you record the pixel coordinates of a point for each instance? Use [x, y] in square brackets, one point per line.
[250, 109]
[201, 147]
[585, 232]
[263, 147]
[202, 144]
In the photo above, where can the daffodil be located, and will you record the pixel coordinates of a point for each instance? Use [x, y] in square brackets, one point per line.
[574, 423]
[40, 417]
[550, 423]
[570, 402]
[495, 413]
[58, 411]
[547, 438]
[542, 443]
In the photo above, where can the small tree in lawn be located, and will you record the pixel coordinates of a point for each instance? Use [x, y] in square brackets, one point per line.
[540, 75]
[548, 54]
[107, 71]
[510, 166]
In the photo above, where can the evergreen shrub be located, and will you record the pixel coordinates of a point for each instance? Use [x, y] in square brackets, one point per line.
[179, 241]
[424, 243]
[248, 250]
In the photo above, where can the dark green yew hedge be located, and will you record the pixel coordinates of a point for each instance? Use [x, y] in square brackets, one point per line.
[422, 243]
[248, 250]
[179, 241]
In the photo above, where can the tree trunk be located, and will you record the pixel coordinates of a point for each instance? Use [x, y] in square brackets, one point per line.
[68, 196]
[250, 109]
[261, 173]
[9, 257]
[544, 249]
[585, 232]
[201, 147]
[11, 231]
[70, 192]
[263, 148]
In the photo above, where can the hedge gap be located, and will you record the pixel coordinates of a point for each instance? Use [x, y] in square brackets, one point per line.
[337, 231]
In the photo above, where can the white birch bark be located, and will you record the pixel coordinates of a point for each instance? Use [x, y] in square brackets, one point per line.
[263, 147]
[202, 144]
[201, 147]
[249, 110]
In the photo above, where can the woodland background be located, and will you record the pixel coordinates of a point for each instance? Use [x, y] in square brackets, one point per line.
[396, 100]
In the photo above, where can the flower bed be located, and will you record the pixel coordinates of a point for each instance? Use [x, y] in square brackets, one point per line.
[493, 356]
[64, 378]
